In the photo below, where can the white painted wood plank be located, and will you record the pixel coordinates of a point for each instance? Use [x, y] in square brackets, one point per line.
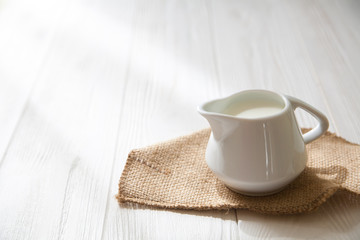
[55, 177]
[331, 34]
[171, 71]
[24, 40]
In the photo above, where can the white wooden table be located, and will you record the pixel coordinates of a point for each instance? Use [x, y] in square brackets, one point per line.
[84, 82]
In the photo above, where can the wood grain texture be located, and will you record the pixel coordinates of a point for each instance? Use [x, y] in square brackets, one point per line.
[55, 176]
[24, 42]
[167, 65]
[84, 82]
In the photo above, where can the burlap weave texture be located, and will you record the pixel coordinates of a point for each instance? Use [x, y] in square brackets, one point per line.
[174, 174]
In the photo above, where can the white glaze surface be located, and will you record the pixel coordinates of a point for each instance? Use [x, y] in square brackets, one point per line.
[257, 156]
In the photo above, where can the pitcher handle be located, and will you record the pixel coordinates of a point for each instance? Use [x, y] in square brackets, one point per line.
[320, 128]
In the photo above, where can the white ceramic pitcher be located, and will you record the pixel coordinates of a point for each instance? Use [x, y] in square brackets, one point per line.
[256, 147]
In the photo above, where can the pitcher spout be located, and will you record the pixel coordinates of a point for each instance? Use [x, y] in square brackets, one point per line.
[221, 126]
[215, 125]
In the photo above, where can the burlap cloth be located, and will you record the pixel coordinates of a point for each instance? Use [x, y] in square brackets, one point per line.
[174, 174]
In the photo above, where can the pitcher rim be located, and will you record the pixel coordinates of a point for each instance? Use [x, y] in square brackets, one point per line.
[203, 112]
